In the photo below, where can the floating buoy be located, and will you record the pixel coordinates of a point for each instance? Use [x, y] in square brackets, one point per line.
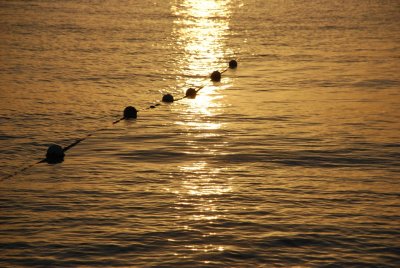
[191, 93]
[216, 76]
[233, 64]
[130, 112]
[55, 154]
[168, 98]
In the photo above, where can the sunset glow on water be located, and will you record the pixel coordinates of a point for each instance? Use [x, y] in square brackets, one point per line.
[292, 160]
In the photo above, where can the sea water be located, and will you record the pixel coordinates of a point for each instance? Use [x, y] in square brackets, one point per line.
[293, 159]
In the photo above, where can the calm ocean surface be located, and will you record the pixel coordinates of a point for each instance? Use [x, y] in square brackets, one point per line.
[293, 159]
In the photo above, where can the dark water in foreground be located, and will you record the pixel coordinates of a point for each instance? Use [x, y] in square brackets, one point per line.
[292, 160]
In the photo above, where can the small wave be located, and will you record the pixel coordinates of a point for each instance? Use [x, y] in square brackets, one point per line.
[155, 155]
[377, 84]
[309, 158]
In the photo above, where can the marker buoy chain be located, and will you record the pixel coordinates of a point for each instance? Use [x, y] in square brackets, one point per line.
[55, 153]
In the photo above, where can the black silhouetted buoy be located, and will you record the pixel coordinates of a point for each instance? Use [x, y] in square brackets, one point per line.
[130, 112]
[168, 98]
[191, 93]
[55, 154]
[216, 76]
[233, 64]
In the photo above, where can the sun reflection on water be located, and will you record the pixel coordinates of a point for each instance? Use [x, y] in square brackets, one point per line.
[202, 184]
[201, 190]
[201, 27]
[199, 35]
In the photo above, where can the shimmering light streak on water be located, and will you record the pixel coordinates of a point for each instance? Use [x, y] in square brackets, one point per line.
[200, 28]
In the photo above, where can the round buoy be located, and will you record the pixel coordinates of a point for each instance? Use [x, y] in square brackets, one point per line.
[55, 154]
[233, 64]
[191, 93]
[130, 112]
[168, 98]
[216, 76]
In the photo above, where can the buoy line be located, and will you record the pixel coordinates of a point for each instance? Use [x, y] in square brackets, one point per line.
[55, 153]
